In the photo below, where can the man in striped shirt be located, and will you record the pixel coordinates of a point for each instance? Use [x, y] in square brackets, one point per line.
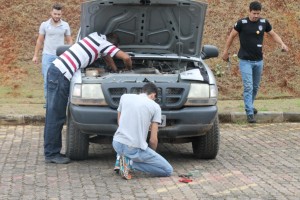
[78, 56]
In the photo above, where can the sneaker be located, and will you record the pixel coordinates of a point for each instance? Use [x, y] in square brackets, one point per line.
[45, 106]
[255, 111]
[58, 160]
[63, 155]
[250, 119]
[117, 165]
[125, 167]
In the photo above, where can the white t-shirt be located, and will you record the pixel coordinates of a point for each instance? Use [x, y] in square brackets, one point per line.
[137, 113]
[54, 35]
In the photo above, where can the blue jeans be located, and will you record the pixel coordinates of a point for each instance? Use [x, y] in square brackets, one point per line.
[251, 75]
[145, 160]
[47, 59]
[57, 99]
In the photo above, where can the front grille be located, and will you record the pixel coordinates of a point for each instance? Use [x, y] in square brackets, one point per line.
[117, 91]
[173, 95]
[172, 100]
[136, 90]
[174, 91]
[115, 94]
[169, 97]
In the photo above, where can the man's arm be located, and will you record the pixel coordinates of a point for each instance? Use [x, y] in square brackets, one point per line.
[69, 39]
[126, 59]
[38, 46]
[229, 41]
[153, 137]
[277, 39]
[110, 62]
[119, 115]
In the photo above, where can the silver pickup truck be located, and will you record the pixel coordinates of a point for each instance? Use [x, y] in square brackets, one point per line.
[164, 40]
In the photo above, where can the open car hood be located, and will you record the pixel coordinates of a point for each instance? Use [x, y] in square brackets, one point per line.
[148, 26]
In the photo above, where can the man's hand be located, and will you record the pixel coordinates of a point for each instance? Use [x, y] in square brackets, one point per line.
[110, 62]
[229, 41]
[225, 56]
[35, 59]
[126, 59]
[284, 48]
[277, 39]
[38, 46]
[153, 137]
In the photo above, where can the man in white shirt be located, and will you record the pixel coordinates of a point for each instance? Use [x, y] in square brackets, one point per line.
[136, 113]
[52, 34]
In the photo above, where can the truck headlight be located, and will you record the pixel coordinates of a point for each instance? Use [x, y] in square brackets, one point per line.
[88, 94]
[213, 91]
[202, 95]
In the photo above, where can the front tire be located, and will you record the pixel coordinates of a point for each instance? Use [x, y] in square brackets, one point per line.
[77, 143]
[207, 146]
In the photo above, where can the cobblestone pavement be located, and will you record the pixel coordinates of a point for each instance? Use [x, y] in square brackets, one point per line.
[254, 162]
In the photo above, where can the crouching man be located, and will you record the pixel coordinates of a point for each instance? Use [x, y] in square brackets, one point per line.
[136, 113]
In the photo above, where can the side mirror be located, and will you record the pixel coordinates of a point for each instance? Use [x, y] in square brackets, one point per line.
[61, 49]
[209, 51]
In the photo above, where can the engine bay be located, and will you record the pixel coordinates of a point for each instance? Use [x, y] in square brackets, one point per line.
[146, 66]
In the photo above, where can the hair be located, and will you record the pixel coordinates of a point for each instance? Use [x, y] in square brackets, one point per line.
[57, 6]
[150, 88]
[255, 5]
[113, 38]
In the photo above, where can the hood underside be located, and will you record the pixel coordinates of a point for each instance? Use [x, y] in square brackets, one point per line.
[148, 26]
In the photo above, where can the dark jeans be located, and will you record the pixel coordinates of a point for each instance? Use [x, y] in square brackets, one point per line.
[57, 99]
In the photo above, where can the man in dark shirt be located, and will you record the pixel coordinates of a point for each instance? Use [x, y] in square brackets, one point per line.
[251, 33]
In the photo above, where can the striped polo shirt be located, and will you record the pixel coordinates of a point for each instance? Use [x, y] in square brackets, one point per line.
[83, 53]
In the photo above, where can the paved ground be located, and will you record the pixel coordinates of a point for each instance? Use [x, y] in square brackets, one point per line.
[254, 162]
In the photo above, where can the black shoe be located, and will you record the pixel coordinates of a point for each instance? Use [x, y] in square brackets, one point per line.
[255, 111]
[58, 160]
[250, 119]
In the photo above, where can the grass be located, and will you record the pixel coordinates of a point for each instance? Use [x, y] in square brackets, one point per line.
[23, 106]
[21, 82]
[27, 97]
[30, 101]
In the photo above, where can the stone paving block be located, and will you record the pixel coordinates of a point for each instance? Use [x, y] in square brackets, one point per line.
[258, 161]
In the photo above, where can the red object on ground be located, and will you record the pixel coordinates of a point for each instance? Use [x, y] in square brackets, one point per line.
[185, 180]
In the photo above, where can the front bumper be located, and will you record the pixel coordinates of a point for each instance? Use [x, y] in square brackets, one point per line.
[186, 122]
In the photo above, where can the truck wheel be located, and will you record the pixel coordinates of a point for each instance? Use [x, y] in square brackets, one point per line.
[77, 143]
[207, 146]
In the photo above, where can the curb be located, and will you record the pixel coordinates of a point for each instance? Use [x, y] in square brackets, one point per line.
[261, 117]
[230, 117]
[22, 119]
